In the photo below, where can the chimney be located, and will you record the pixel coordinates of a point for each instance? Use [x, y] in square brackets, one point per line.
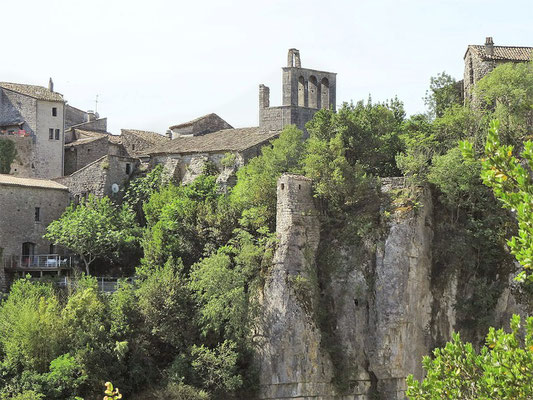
[264, 96]
[168, 134]
[91, 116]
[293, 58]
[51, 85]
[489, 46]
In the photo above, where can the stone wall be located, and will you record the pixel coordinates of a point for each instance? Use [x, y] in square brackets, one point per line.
[21, 165]
[98, 177]
[134, 144]
[17, 216]
[206, 124]
[276, 118]
[82, 154]
[48, 160]
[74, 116]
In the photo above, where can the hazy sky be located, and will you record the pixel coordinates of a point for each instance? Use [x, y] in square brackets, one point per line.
[156, 63]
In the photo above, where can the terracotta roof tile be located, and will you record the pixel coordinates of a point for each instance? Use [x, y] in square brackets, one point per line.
[225, 140]
[504, 53]
[37, 92]
[30, 182]
[151, 137]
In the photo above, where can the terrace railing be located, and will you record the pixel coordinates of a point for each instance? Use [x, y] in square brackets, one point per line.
[39, 262]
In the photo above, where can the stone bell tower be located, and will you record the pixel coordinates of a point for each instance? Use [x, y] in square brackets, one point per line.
[304, 92]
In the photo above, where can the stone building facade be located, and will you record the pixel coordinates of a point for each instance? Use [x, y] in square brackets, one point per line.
[105, 176]
[199, 126]
[28, 207]
[304, 92]
[481, 59]
[38, 113]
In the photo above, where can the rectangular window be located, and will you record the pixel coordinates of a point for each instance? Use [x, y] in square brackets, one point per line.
[50, 133]
[54, 112]
[128, 168]
[37, 213]
[52, 249]
[57, 134]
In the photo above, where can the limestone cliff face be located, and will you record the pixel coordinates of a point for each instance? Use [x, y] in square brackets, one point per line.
[384, 312]
[292, 363]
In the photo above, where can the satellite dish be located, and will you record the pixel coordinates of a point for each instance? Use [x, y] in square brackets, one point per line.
[114, 188]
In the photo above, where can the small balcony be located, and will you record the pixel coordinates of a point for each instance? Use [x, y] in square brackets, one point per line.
[15, 132]
[43, 262]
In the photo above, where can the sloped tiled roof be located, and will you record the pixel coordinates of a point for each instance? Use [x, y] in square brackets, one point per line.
[30, 182]
[86, 136]
[37, 92]
[225, 140]
[151, 137]
[504, 53]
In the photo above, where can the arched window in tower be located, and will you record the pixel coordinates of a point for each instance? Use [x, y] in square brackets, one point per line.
[301, 91]
[471, 72]
[313, 92]
[324, 92]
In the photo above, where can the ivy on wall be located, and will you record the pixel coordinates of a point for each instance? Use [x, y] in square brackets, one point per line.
[8, 153]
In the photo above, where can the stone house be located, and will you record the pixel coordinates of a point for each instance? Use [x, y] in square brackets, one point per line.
[210, 139]
[105, 176]
[184, 158]
[481, 59]
[199, 126]
[34, 117]
[29, 205]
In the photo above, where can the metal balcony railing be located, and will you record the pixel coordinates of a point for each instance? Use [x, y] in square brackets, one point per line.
[39, 262]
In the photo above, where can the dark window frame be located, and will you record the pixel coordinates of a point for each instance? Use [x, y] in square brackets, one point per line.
[37, 214]
[51, 133]
[54, 111]
[58, 134]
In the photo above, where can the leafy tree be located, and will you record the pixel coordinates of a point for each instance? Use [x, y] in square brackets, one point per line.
[31, 330]
[255, 190]
[501, 370]
[8, 152]
[185, 222]
[95, 228]
[217, 368]
[507, 95]
[511, 180]
[369, 133]
[443, 93]
[141, 188]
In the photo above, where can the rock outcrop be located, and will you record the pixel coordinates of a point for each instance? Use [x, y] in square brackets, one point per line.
[384, 311]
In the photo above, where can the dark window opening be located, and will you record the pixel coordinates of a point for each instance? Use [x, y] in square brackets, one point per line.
[57, 134]
[88, 150]
[52, 249]
[128, 168]
[282, 186]
[133, 147]
[37, 214]
[54, 112]
[50, 133]
[299, 187]
[32, 166]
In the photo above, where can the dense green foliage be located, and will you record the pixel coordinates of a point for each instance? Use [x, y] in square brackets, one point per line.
[95, 228]
[8, 152]
[512, 184]
[183, 329]
[503, 369]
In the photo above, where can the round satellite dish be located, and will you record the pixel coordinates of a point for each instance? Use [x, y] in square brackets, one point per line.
[114, 188]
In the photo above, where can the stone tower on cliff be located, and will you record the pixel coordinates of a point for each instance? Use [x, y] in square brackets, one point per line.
[305, 91]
